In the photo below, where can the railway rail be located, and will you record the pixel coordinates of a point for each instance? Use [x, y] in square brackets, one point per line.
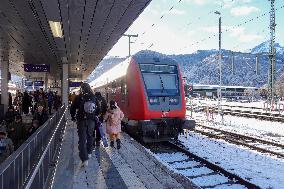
[263, 115]
[260, 145]
[199, 167]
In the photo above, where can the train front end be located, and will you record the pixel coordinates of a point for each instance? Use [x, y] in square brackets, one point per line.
[164, 104]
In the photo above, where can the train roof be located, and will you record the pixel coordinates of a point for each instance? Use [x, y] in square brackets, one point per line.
[120, 69]
[143, 58]
[114, 73]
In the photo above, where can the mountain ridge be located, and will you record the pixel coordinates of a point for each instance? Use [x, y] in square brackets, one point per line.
[201, 67]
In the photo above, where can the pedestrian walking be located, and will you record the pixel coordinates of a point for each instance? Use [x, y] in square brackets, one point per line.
[83, 110]
[102, 108]
[113, 119]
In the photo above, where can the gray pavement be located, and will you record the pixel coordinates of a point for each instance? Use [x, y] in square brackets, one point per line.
[109, 168]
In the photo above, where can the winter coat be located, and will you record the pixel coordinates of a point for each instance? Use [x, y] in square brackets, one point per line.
[17, 132]
[10, 117]
[50, 99]
[41, 117]
[31, 131]
[6, 148]
[26, 103]
[77, 106]
[113, 121]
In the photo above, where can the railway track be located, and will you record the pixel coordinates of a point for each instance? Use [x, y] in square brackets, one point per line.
[262, 115]
[260, 145]
[199, 170]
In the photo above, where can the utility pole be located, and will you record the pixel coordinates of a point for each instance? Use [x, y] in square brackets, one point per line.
[220, 62]
[233, 63]
[271, 54]
[257, 64]
[129, 41]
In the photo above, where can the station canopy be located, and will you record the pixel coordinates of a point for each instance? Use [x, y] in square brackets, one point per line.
[52, 32]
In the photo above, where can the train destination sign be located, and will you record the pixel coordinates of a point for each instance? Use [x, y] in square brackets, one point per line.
[157, 68]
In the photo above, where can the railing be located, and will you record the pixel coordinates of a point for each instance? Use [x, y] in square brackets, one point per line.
[32, 164]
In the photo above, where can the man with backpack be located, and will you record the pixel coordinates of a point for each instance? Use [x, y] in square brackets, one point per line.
[83, 110]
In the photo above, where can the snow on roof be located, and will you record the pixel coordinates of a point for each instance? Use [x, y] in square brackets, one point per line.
[114, 73]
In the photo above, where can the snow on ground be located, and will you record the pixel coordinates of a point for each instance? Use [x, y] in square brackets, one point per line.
[244, 106]
[249, 126]
[196, 172]
[262, 170]
[257, 104]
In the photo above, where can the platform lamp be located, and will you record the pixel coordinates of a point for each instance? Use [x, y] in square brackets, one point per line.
[220, 62]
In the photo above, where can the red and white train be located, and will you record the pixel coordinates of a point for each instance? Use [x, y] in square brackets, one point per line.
[150, 92]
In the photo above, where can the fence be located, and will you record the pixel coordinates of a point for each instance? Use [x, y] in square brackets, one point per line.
[30, 166]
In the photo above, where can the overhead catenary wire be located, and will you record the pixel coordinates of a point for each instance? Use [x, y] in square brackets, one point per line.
[234, 27]
[155, 24]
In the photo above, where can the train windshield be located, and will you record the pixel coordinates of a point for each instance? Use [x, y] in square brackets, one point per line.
[161, 82]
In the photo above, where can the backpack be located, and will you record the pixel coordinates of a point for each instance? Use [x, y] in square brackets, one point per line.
[88, 106]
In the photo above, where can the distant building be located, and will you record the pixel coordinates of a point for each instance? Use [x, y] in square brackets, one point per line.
[227, 91]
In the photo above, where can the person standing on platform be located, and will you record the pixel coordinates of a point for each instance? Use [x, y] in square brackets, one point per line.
[18, 102]
[33, 128]
[6, 145]
[102, 108]
[41, 115]
[50, 100]
[72, 97]
[113, 119]
[17, 131]
[26, 102]
[57, 101]
[10, 99]
[83, 110]
[10, 115]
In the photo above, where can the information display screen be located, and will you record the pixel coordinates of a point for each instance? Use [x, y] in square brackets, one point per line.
[36, 68]
[75, 83]
[28, 83]
[38, 83]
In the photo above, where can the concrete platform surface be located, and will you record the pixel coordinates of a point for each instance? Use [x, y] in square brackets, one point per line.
[130, 167]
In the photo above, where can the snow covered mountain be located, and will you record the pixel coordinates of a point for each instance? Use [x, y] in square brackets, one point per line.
[264, 48]
[201, 67]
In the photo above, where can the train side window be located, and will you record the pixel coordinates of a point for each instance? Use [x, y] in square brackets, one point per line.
[113, 84]
[123, 90]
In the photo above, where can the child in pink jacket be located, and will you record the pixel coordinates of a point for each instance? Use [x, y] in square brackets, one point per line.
[113, 119]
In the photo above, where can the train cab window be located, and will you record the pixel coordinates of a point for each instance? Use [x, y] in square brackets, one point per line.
[160, 80]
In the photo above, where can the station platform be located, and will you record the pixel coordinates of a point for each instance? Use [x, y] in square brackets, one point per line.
[132, 166]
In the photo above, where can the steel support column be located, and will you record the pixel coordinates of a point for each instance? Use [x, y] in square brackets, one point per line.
[65, 84]
[4, 83]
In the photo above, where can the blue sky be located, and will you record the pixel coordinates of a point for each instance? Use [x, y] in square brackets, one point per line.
[191, 25]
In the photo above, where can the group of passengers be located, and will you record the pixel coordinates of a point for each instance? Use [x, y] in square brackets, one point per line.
[26, 103]
[90, 110]
[36, 105]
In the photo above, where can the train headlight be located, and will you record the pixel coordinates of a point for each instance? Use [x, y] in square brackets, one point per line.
[154, 101]
[174, 100]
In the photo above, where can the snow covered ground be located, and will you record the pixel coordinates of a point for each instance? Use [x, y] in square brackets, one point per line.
[253, 106]
[262, 170]
[268, 130]
[195, 171]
